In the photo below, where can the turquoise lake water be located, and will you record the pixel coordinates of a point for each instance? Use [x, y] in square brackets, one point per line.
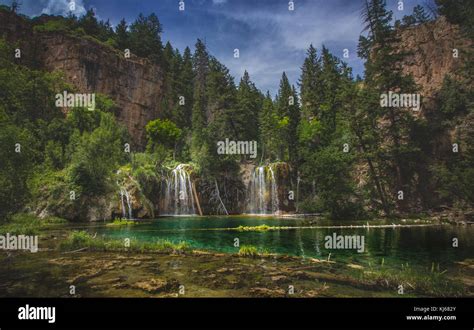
[417, 246]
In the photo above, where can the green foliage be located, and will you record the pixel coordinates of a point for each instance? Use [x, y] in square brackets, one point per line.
[459, 12]
[120, 222]
[144, 168]
[452, 172]
[420, 14]
[254, 228]
[288, 116]
[261, 228]
[310, 83]
[392, 156]
[28, 224]
[89, 23]
[15, 165]
[96, 156]
[122, 37]
[199, 121]
[331, 169]
[247, 110]
[184, 85]
[430, 283]
[57, 25]
[78, 239]
[248, 251]
[268, 121]
[321, 137]
[21, 224]
[83, 240]
[310, 205]
[162, 132]
[221, 104]
[54, 154]
[452, 99]
[145, 37]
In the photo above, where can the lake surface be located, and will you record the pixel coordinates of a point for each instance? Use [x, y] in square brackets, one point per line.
[417, 246]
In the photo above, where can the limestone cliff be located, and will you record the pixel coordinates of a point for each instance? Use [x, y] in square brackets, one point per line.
[430, 55]
[135, 84]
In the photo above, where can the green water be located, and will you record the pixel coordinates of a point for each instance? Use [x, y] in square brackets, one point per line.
[417, 246]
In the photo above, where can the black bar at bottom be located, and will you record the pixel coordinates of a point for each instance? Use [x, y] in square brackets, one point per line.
[243, 313]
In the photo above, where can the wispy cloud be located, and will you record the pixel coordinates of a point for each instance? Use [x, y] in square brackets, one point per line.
[64, 7]
[279, 38]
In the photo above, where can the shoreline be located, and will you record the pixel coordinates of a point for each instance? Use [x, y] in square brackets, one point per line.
[205, 273]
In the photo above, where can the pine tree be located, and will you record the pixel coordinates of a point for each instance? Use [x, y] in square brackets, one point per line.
[171, 66]
[322, 132]
[89, 23]
[420, 15]
[395, 152]
[201, 71]
[268, 122]
[310, 84]
[145, 37]
[221, 97]
[330, 85]
[249, 102]
[293, 123]
[122, 36]
[106, 32]
[284, 103]
[183, 112]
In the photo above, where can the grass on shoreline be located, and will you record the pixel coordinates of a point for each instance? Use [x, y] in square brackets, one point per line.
[83, 240]
[28, 224]
[409, 281]
[252, 251]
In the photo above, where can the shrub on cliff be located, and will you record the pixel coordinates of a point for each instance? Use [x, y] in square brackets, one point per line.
[162, 134]
[96, 157]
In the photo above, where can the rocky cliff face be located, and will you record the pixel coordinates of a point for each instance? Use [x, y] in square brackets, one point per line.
[430, 57]
[135, 84]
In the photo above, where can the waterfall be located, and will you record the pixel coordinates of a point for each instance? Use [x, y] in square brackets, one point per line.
[263, 192]
[275, 202]
[178, 193]
[124, 193]
[258, 191]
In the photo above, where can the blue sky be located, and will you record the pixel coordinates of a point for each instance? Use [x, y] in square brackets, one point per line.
[271, 39]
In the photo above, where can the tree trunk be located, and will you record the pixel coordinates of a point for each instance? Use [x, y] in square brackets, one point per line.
[197, 199]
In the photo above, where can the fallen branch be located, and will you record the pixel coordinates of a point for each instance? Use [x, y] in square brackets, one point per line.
[79, 250]
[219, 196]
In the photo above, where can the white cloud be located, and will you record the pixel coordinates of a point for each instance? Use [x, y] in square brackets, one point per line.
[218, 2]
[64, 7]
[282, 38]
[309, 23]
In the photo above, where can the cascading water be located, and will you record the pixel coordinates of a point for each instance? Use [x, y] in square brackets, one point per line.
[263, 192]
[124, 194]
[258, 191]
[178, 193]
[274, 197]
